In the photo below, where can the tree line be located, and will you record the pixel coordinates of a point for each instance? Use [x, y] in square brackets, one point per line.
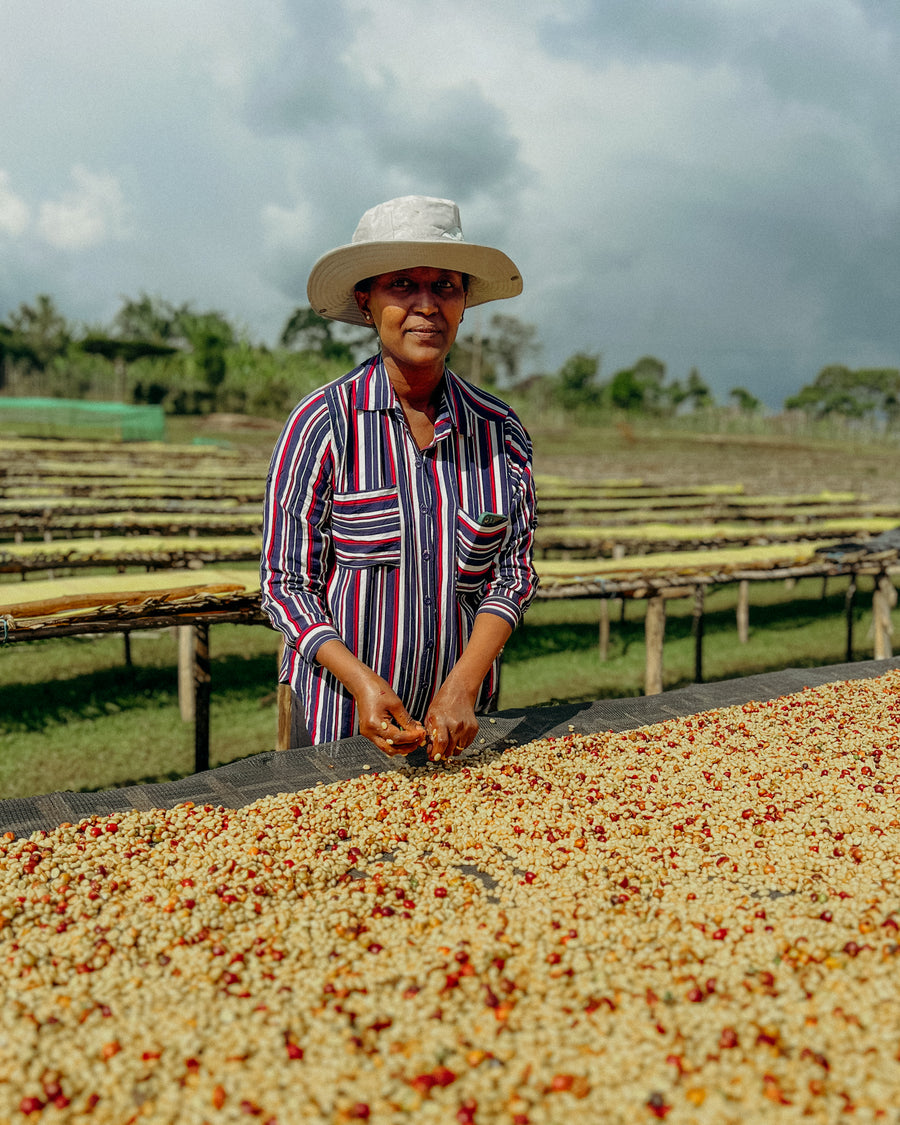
[196, 362]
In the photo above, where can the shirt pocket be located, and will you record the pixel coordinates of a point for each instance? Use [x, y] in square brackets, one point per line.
[477, 549]
[365, 528]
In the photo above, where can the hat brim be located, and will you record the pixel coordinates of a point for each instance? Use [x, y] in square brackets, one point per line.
[333, 279]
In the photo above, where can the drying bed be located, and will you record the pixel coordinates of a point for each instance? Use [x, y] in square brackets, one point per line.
[695, 919]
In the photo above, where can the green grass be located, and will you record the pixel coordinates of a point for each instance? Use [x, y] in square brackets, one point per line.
[555, 654]
[74, 716]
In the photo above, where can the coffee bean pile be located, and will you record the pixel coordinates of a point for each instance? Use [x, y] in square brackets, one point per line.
[692, 922]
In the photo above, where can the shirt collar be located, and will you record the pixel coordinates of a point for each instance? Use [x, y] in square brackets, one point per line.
[378, 394]
[456, 403]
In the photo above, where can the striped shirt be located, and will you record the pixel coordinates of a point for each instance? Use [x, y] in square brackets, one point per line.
[372, 541]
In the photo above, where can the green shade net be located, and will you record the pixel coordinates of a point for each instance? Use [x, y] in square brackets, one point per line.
[62, 417]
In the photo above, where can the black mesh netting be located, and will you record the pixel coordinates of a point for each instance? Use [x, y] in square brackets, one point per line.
[241, 783]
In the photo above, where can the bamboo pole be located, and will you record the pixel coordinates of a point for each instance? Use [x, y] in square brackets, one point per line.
[654, 636]
[84, 627]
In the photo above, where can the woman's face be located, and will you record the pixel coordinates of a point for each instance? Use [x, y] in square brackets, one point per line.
[416, 313]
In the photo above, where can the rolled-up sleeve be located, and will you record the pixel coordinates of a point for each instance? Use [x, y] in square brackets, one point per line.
[514, 581]
[296, 547]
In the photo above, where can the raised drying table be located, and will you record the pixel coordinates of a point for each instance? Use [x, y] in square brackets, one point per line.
[240, 783]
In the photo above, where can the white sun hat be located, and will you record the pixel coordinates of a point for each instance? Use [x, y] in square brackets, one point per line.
[414, 230]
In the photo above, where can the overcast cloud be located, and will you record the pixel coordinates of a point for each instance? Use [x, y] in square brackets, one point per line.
[713, 182]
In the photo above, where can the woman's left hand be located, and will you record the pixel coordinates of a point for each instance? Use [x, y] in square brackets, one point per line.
[450, 725]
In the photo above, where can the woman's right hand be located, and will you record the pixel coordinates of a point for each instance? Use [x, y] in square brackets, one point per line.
[384, 720]
[382, 717]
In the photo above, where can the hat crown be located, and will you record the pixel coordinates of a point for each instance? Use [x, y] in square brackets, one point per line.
[410, 218]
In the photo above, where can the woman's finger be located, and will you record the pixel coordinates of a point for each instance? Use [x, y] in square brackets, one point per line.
[462, 735]
[391, 739]
[408, 732]
[438, 739]
[394, 749]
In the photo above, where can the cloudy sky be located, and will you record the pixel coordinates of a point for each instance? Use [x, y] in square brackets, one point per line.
[713, 182]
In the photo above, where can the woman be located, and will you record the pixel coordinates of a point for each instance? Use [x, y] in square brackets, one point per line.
[399, 516]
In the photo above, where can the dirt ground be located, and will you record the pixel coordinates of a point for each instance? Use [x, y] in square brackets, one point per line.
[774, 465]
[762, 465]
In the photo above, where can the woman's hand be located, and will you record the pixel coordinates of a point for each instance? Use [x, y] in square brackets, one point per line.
[450, 724]
[382, 717]
[384, 720]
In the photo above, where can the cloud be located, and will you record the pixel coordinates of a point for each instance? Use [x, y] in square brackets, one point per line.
[716, 182]
[93, 213]
[728, 190]
[359, 116]
[455, 138]
[620, 30]
[307, 84]
[15, 214]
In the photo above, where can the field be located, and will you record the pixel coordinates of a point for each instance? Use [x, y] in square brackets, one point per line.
[72, 715]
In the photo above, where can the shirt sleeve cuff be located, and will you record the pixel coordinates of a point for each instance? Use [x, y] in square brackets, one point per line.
[312, 640]
[499, 606]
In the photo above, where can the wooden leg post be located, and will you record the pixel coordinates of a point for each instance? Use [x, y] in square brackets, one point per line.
[283, 697]
[849, 599]
[743, 611]
[884, 599]
[654, 635]
[283, 741]
[186, 673]
[697, 629]
[604, 629]
[202, 691]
